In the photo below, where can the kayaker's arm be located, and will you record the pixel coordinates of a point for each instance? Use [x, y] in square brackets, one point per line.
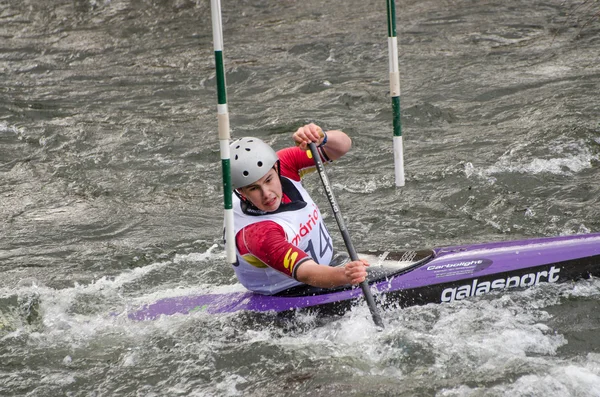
[338, 144]
[265, 244]
[311, 273]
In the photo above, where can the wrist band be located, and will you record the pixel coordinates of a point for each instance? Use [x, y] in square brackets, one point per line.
[324, 140]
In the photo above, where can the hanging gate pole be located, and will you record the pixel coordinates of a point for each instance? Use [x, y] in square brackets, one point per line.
[395, 93]
[223, 129]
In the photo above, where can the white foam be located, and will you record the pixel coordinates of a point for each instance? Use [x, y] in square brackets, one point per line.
[195, 256]
[57, 379]
[567, 158]
[558, 166]
[228, 387]
[549, 70]
[558, 381]
[59, 323]
[10, 129]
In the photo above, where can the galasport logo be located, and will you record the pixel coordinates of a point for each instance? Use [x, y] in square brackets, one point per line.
[479, 288]
[306, 228]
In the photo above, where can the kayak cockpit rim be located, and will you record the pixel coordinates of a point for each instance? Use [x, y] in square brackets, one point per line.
[384, 266]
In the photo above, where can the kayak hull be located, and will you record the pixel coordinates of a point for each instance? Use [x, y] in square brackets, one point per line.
[434, 276]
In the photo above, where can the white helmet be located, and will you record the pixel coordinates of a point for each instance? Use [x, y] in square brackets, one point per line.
[251, 159]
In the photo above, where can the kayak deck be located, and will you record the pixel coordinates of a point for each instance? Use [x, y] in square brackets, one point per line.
[418, 277]
[383, 265]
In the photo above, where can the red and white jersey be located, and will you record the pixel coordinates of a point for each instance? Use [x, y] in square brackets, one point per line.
[270, 246]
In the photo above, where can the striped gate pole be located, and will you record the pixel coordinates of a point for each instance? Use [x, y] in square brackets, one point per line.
[223, 128]
[395, 93]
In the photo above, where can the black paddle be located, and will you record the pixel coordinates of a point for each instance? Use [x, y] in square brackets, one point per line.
[346, 236]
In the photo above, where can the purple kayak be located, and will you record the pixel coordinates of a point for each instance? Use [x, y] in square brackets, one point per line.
[418, 277]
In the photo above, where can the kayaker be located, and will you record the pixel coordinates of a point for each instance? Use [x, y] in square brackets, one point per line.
[281, 239]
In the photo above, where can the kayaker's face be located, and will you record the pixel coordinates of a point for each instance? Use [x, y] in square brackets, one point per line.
[265, 193]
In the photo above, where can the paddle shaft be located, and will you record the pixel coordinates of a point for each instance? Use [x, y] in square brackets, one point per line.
[345, 235]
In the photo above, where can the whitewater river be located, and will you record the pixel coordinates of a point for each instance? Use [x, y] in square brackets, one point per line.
[110, 191]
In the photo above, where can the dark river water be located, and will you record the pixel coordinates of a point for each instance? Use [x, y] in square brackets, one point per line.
[110, 190]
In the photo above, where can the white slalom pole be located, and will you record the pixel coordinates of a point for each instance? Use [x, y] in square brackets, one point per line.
[223, 127]
[395, 93]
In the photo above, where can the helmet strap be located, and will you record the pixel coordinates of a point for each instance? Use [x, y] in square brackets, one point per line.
[277, 166]
[242, 198]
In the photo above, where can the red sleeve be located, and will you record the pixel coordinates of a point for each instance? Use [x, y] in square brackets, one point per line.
[264, 244]
[295, 162]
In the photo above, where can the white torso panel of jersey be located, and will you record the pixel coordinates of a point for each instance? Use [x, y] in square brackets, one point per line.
[303, 227]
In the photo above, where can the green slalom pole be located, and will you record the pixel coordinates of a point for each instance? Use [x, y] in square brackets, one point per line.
[395, 93]
[223, 128]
